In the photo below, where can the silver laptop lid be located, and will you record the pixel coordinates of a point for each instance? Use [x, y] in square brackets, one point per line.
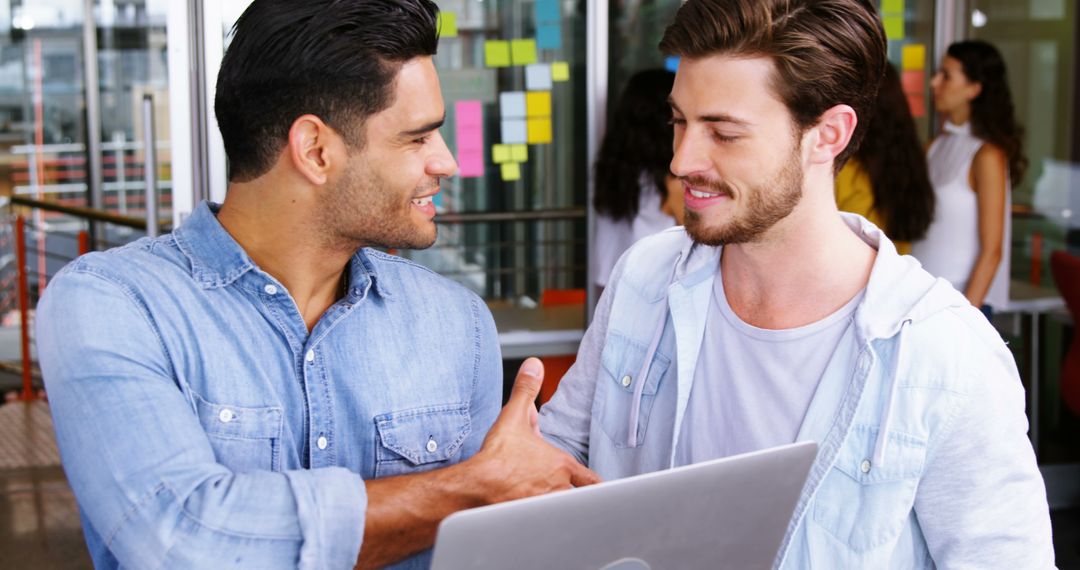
[726, 513]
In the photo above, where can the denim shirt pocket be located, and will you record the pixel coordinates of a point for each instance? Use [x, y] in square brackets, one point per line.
[863, 505]
[243, 438]
[620, 365]
[420, 439]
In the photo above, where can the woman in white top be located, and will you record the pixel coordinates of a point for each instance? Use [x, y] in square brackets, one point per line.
[972, 164]
[636, 195]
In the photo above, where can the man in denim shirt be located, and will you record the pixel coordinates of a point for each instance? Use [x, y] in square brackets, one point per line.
[257, 389]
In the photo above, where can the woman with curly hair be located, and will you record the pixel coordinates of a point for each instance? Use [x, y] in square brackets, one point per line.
[973, 165]
[886, 181]
[636, 195]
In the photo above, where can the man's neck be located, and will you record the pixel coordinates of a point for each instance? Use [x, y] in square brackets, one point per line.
[282, 236]
[807, 267]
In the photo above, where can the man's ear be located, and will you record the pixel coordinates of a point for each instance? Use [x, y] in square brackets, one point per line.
[833, 133]
[315, 149]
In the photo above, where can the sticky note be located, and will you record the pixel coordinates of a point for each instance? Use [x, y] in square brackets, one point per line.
[469, 113]
[549, 36]
[470, 165]
[523, 52]
[894, 27]
[497, 53]
[514, 131]
[892, 6]
[914, 57]
[500, 153]
[511, 171]
[546, 11]
[671, 63]
[913, 82]
[519, 153]
[470, 139]
[560, 71]
[512, 104]
[538, 77]
[917, 105]
[446, 23]
[539, 130]
[538, 104]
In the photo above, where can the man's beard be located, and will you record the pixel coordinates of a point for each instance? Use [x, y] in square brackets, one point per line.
[766, 204]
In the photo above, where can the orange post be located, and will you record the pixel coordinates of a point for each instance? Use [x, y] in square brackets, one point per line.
[24, 306]
[84, 242]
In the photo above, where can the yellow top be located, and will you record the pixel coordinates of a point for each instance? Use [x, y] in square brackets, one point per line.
[855, 194]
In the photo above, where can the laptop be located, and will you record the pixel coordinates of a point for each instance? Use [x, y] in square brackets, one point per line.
[727, 513]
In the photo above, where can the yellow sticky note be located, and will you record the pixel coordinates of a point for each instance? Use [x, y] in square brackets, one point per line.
[892, 6]
[519, 153]
[560, 71]
[511, 171]
[894, 27]
[500, 153]
[538, 104]
[446, 23]
[539, 130]
[914, 57]
[497, 53]
[523, 51]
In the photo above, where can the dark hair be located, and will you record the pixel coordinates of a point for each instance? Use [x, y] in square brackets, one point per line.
[826, 52]
[993, 117]
[336, 59]
[893, 157]
[638, 141]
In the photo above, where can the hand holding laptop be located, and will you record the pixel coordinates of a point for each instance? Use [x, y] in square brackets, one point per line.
[519, 461]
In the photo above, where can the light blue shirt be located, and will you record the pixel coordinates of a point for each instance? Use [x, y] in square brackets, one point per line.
[202, 426]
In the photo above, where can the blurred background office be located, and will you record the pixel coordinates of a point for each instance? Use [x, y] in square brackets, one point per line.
[107, 134]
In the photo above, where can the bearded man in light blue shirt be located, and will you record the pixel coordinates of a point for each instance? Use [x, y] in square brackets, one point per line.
[773, 318]
[261, 390]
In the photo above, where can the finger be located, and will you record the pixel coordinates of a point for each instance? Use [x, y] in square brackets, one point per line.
[581, 476]
[527, 385]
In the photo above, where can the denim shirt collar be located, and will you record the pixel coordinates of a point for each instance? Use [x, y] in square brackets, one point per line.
[217, 260]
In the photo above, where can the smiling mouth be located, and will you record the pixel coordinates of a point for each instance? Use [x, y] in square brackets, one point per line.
[701, 194]
[422, 201]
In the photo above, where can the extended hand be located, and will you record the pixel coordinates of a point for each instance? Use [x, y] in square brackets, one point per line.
[515, 461]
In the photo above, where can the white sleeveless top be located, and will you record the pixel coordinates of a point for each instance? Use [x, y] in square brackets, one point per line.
[951, 245]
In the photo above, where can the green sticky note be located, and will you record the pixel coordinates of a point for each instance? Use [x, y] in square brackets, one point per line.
[894, 27]
[560, 71]
[523, 51]
[519, 153]
[511, 171]
[500, 153]
[497, 53]
[446, 23]
[892, 6]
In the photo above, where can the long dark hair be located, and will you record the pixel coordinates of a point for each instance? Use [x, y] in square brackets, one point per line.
[894, 159]
[638, 140]
[993, 117]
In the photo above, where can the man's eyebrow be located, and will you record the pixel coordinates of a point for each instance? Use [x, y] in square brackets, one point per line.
[721, 118]
[434, 125]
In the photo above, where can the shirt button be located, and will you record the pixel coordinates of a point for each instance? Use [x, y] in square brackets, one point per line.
[321, 442]
[226, 415]
[310, 356]
[865, 466]
[626, 380]
[432, 446]
[270, 289]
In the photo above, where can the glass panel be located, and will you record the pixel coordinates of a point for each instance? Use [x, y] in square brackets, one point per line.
[1037, 40]
[909, 27]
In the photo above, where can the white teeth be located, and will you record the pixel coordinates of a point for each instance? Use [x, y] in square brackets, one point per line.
[700, 194]
[422, 201]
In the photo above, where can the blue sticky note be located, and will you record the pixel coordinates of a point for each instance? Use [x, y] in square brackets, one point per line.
[671, 63]
[549, 36]
[547, 11]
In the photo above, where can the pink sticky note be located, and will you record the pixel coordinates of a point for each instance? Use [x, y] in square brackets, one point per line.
[470, 164]
[469, 113]
[917, 104]
[470, 138]
[914, 82]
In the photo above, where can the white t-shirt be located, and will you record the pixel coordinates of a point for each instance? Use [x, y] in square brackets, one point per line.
[752, 386]
[614, 237]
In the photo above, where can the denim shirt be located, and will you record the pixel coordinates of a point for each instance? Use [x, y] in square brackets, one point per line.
[202, 426]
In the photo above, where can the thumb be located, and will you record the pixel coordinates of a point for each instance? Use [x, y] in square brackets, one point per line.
[581, 476]
[527, 384]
